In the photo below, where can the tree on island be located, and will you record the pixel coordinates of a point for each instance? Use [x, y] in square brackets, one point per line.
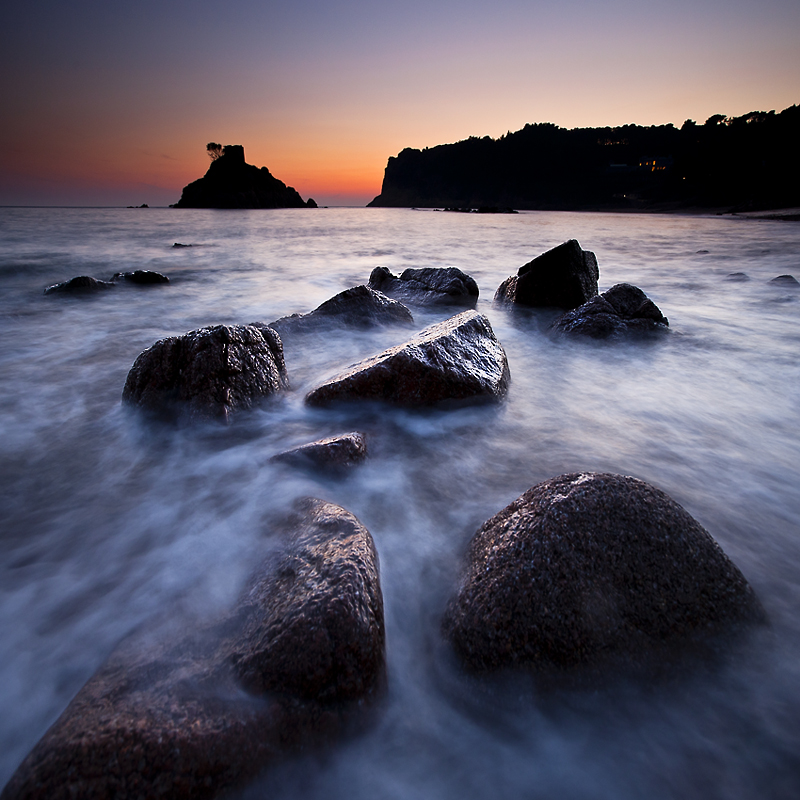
[214, 150]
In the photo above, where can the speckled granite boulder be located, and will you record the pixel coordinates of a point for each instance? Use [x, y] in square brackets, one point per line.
[332, 453]
[452, 362]
[623, 311]
[208, 373]
[564, 277]
[589, 567]
[359, 307]
[142, 277]
[292, 664]
[83, 284]
[428, 286]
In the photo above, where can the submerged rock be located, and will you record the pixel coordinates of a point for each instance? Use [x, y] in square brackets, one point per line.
[564, 277]
[359, 307]
[83, 284]
[589, 567]
[333, 453]
[624, 310]
[209, 372]
[193, 718]
[452, 362]
[786, 280]
[737, 277]
[429, 286]
[142, 276]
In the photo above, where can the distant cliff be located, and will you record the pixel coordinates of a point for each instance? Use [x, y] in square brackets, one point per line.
[232, 183]
[738, 163]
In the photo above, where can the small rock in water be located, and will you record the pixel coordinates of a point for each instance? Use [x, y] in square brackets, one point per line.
[141, 276]
[83, 284]
[333, 453]
[452, 362]
[591, 567]
[624, 310]
[209, 372]
[737, 277]
[291, 666]
[564, 277]
[359, 307]
[429, 286]
[786, 280]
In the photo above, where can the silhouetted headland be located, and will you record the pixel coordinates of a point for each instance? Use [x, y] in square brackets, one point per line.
[232, 183]
[734, 164]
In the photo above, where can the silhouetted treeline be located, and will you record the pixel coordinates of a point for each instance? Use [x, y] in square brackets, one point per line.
[736, 163]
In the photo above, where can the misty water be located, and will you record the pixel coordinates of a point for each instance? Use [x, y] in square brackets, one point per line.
[109, 522]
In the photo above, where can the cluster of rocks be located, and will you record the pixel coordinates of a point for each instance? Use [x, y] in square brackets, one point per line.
[582, 571]
[86, 284]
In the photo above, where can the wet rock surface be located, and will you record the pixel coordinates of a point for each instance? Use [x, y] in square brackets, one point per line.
[290, 666]
[332, 453]
[208, 373]
[786, 280]
[359, 307]
[592, 568]
[83, 284]
[142, 277]
[456, 361]
[429, 286]
[564, 277]
[622, 311]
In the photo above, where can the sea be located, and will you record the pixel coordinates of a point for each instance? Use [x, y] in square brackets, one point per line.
[110, 522]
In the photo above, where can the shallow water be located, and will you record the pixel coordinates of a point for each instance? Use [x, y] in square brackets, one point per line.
[108, 522]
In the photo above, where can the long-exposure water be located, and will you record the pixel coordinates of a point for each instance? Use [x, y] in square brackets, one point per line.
[108, 521]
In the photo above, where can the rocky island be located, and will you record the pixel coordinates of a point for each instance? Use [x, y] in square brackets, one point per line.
[230, 182]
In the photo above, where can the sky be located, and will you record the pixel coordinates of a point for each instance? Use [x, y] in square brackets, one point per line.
[106, 103]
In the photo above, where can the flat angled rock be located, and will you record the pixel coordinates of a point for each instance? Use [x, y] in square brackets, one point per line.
[294, 663]
[359, 307]
[332, 453]
[586, 568]
[564, 277]
[428, 286]
[208, 373]
[456, 361]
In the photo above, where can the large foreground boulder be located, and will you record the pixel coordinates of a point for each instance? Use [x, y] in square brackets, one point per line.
[359, 307]
[457, 361]
[208, 373]
[334, 453]
[564, 277]
[291, 664]
[623, 311]
[429, 286]
[591, 567]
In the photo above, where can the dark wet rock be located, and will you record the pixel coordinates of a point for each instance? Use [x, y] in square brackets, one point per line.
[786, 280]
[209, 372]
[178, 244]
[141, 276]
[429, 286]
[232, 183]
[359, 307]
[333, 453]
[564, 277]
[702, 252]
[587, 567]
[191, 717]
[737, 277]
[623, 311]
[453, 362]
[83, 284]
